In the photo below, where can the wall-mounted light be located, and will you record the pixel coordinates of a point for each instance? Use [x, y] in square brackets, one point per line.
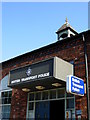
[25, 89]
[56, 84]
[40, 87]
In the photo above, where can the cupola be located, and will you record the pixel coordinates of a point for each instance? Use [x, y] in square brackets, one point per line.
[65, 31]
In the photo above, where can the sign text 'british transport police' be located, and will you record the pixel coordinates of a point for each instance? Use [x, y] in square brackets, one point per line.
[30, 73]
[75, 85]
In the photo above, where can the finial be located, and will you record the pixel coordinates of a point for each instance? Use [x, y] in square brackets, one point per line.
[66, 20]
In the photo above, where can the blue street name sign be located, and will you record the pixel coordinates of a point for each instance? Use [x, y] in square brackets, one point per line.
[75, 85]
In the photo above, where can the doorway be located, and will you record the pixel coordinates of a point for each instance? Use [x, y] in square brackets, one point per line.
[42, 110]
[57, 110]
[50, 105]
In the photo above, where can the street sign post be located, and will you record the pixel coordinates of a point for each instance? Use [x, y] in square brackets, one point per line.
[75, 85]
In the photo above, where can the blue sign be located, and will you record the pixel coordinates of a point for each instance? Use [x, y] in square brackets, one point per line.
[78, 112]
[75, 85]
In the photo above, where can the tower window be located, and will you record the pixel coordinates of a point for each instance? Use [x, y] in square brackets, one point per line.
[64, 35]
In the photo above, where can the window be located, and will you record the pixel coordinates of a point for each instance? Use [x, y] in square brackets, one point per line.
[5, 112]
[45, 95]
[53, 94]
[38, 96]
[70, 95]
[31, 96]
[70, 103]
[6, 97]
[31, 106]
[5, 104]
[61, 93]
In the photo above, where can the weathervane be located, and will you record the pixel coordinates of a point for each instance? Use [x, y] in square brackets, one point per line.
[66, 21]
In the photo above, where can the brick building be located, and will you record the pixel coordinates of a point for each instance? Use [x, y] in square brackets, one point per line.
[33, 85]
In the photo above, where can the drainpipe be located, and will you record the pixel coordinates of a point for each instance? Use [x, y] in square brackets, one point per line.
[86, 75]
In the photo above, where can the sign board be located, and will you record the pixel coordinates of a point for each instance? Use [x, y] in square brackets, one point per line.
[78, 112]
[75, 85]
[43, 73]
[32, 72]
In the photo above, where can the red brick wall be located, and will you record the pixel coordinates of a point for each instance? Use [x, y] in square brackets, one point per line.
[69, 50]
[18, 105]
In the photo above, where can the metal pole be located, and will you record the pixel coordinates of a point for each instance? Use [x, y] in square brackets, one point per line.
[86, 75]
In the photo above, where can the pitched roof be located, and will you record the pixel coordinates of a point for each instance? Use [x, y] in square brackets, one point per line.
[86, 33]
[65, 26]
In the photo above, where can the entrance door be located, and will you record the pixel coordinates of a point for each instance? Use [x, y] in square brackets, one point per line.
[42, 111]
[57, 110]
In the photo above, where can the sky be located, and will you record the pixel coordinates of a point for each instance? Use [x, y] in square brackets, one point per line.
[27, 26]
